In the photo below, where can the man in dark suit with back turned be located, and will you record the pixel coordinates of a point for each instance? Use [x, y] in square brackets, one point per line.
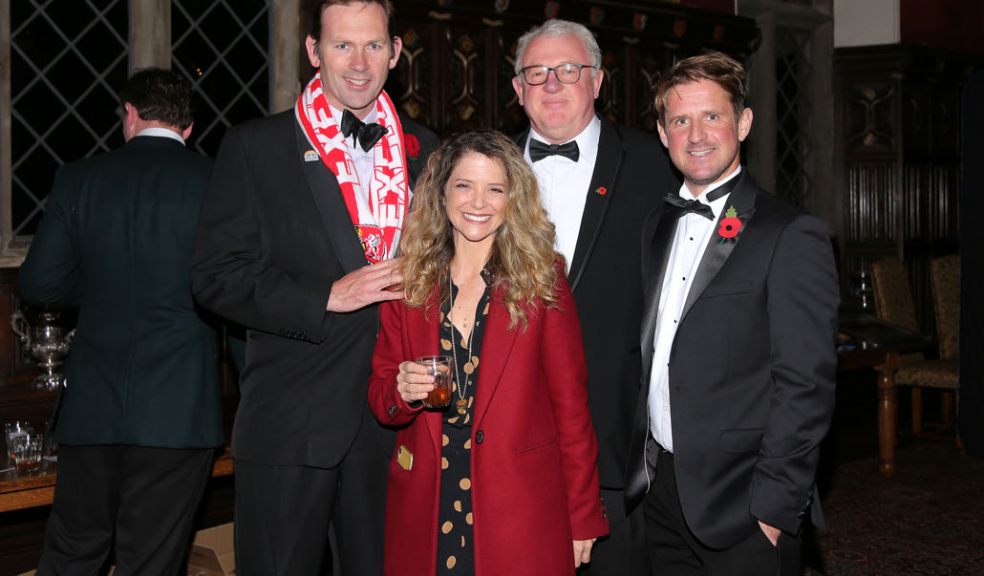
[140, 411]
[301, 220]
[738, 347]
[597, 182]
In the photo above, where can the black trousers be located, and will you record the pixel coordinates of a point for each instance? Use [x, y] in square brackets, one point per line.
[675, 551]
[141, 499]
[623, 551]
[283, 513]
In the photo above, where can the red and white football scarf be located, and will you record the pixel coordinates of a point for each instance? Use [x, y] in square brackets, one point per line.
[377, 215]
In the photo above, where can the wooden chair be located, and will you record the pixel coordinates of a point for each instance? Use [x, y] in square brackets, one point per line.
[945, 277]
[894, 303]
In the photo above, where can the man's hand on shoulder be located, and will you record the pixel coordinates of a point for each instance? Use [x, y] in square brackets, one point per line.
[367, 285]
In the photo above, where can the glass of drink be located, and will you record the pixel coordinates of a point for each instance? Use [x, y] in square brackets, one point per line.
[440, 368]
[27, 449]
[12, 430]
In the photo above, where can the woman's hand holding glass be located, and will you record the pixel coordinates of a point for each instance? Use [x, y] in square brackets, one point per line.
[413, 382]
[428, 379]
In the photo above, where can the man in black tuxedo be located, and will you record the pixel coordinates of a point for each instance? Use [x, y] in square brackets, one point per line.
[738, 347]
[597, 181]
[299, 204]
[140, 412]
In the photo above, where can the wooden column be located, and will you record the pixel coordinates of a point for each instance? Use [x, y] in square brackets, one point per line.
[150, 34]
[827, 198]
[761, 150]
[285, 37]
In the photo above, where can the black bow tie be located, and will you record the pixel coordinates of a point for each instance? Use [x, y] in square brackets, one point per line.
[540, 150]
[689, 206]
[366, 134]
[696, 206]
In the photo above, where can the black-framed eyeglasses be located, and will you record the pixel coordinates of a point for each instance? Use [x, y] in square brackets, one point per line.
[566, 73]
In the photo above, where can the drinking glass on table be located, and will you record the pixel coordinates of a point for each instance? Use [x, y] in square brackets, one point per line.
[12, 430]
[26, 450]
[440, 368]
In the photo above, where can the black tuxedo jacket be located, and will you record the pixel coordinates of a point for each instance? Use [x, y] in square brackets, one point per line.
[751, 369]
[116, 240]
[274, 234]
[630, 177]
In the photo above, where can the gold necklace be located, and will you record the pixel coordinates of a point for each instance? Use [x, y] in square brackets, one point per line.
[461, 404]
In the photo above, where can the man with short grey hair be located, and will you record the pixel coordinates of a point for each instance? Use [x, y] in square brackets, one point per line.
[597, 182]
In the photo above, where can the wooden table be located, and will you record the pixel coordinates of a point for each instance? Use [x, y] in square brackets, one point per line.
[871, 343]
[37, 488]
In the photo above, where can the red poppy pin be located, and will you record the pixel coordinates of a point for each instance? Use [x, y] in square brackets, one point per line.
[601, 190]
[413, 146]
[730, 225]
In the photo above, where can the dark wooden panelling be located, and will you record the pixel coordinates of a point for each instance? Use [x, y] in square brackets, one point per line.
[898, 113]
[456, 70]
[869, 128]
[12, 360]
[19, 399]
[871, 208]
[950, 24]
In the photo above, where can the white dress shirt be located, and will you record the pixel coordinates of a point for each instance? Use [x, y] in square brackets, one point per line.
[693, 233]
[161, 133]
[564, 185]
[363, 160]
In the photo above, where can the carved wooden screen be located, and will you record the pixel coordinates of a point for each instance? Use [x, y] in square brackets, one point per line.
[899, 114]
[458, 59]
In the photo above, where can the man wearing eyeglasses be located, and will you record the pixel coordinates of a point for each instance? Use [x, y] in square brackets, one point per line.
[597, 182]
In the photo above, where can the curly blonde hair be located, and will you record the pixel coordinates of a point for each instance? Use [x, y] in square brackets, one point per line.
[523, 257]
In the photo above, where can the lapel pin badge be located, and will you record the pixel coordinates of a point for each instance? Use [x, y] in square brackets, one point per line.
[601, 190]
[310, 156]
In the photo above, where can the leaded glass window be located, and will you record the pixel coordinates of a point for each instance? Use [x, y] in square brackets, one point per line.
[222, 46]
[68, 59]
[794, 145]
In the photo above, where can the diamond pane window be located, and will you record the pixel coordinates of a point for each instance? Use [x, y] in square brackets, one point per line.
[68, 60]
[222, 47]
[794, 146]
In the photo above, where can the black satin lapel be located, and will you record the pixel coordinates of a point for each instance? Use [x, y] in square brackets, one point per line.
[328, 197]
[657, 255]
[600, 192]
[658, 242]
[718, 252]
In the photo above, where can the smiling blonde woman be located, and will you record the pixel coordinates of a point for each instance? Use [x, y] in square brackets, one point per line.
[503, 480]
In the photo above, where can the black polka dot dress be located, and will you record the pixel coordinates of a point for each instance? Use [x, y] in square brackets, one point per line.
[455, 550]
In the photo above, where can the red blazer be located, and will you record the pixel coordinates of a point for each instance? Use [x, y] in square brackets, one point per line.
[533, 458]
